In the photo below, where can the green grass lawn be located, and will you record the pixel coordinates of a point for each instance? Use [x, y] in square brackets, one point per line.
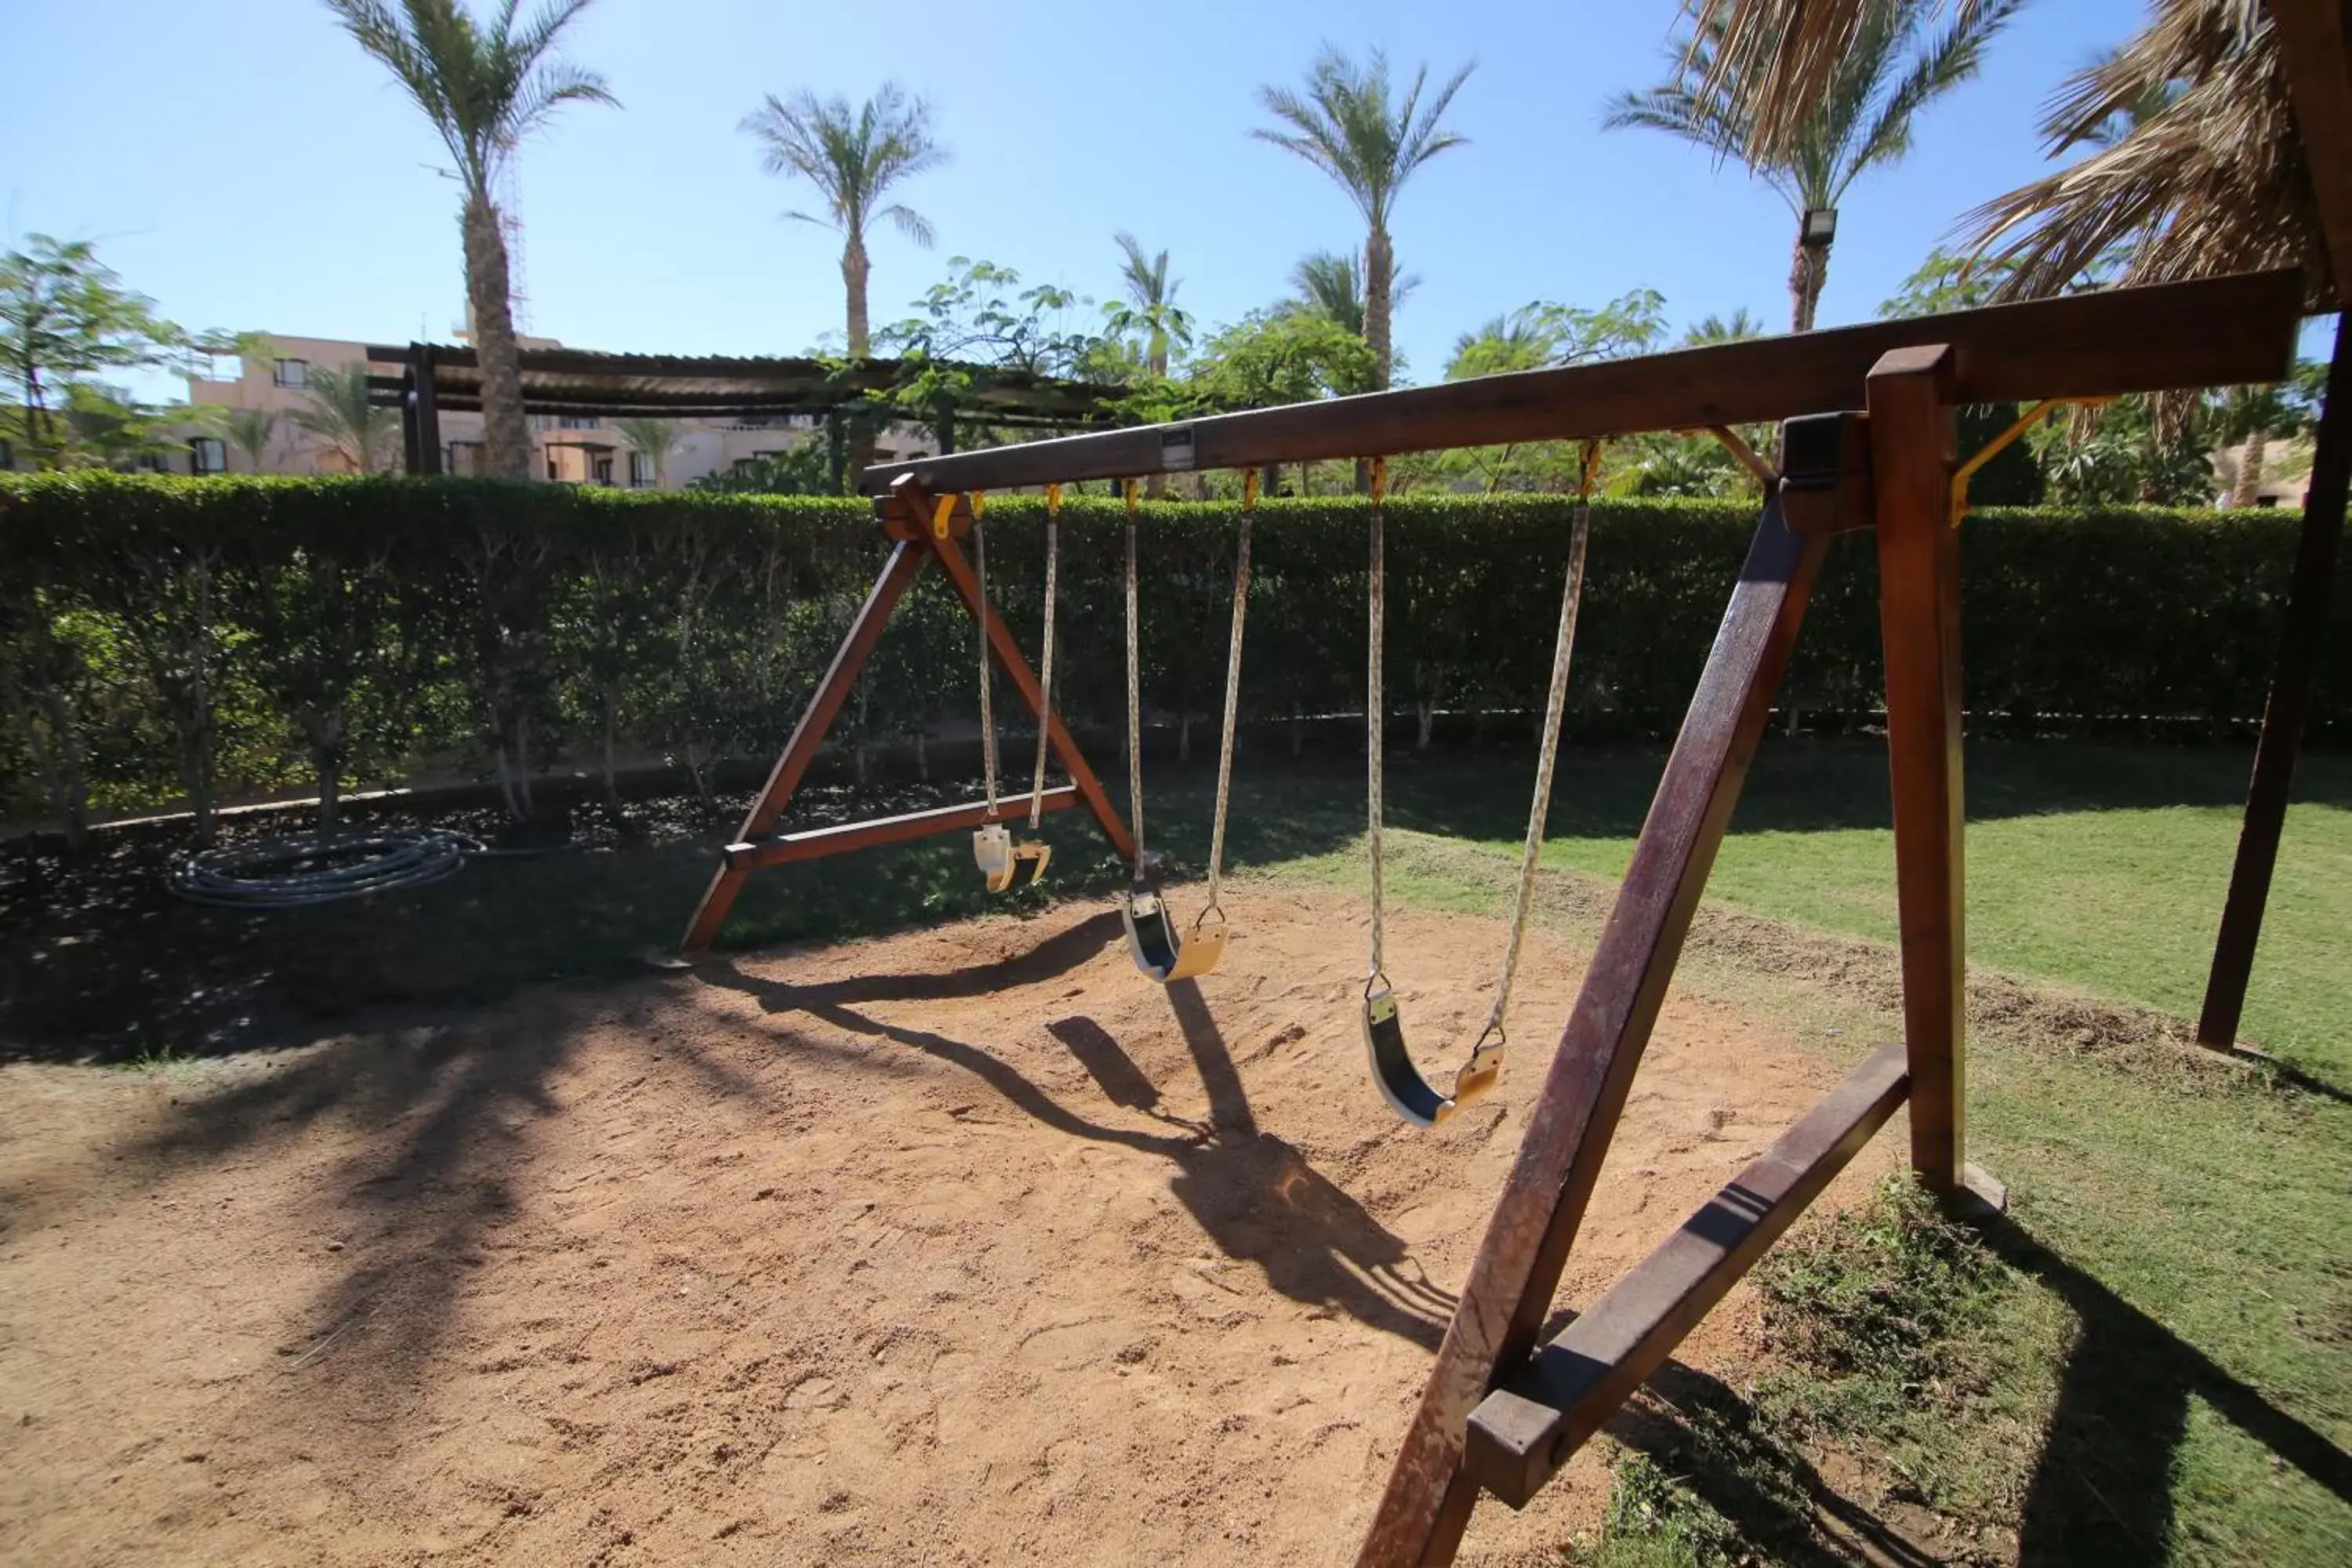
[2101, 866]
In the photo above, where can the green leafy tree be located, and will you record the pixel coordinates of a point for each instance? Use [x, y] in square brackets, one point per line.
[1903, 55]
[1351, 123]
[1537, 336]
[854, 155]
[484, 87]
[337, 411]
[68, 327]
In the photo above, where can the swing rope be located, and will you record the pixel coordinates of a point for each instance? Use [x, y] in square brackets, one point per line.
[987, 706]
[1134, 698]
[1555, 707]
[1373, 713]
[1233, 701]
[1045, 655]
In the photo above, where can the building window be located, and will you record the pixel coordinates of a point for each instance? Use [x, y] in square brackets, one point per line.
[579, 422]
[208, 455]
[294, 374]
[155, 462]
[641, 469]
[551, 468]
[221, 367]
[542, 421]
[603, 470]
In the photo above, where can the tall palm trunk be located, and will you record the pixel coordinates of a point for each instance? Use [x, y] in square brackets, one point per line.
[1380, 268]
[2249, 488]
[1809, 270]
[855, 269]
[506, 439]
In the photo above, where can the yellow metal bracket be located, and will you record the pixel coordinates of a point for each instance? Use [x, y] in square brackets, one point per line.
[943, 515]
[1993, 448]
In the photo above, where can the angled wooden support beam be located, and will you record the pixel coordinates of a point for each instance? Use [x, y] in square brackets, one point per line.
[1428, 1497]
[1525, 1431]
[905, 559]
[1912, 429]
[910, 500]
[815, 843]
[2287, 713]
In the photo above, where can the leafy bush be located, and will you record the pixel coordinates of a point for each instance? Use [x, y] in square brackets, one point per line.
[161, 637]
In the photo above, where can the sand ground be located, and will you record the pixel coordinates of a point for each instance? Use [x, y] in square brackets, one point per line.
[963, 1246]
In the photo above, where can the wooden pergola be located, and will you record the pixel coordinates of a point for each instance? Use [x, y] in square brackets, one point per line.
[432, 379]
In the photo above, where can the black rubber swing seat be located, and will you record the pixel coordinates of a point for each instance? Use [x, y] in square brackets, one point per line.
[1409, 1094]
[1153, 941]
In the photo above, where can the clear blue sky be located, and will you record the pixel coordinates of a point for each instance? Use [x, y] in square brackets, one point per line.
[246, 166]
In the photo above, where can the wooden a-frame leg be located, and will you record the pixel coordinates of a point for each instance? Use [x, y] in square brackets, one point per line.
[2287, 712]
[1428, 1501]
[1007, 654]
[1912, 430]
[905, 563]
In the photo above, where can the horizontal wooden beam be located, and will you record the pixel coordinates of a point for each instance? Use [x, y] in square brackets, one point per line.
[1525, 1431]
[2215, 332]
[815, 843]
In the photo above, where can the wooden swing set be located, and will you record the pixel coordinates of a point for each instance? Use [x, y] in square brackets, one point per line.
[1866, 418]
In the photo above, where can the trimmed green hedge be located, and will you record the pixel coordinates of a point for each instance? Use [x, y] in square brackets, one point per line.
[159, 635]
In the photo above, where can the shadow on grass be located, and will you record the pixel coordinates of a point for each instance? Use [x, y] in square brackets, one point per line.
[2102, 1490]
[1257, 1197]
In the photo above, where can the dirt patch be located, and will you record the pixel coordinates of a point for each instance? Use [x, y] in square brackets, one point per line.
[963, 1246]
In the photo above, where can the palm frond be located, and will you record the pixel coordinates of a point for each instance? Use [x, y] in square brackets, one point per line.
[2214, 182]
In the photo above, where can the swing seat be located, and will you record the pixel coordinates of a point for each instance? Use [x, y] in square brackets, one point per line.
[1408, 1093]
[1152, 943]
[1030, 860]
[992, 846]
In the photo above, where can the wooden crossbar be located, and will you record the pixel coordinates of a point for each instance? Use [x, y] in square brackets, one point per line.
[815, 843]
[2215, 333]
[1525, 1431]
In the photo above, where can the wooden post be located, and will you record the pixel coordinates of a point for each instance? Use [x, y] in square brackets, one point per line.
[428, 410]
[1911, 449]
[2287, 713]
[1428, 1497]
[905, 559]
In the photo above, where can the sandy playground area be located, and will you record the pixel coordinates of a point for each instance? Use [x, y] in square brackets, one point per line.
[964, 1245]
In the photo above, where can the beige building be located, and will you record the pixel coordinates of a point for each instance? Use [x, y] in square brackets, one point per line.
[566, 448]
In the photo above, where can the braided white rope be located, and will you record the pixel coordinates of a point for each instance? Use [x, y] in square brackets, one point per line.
[1134, 697]
[1555, 705]
[1373, 726]
[1233, 701]
[987, 703]
[1045, 657]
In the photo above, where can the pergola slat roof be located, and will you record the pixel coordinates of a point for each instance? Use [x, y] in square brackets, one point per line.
[616, 385]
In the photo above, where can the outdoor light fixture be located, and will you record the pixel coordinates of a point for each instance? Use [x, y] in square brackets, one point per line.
[1820, 228]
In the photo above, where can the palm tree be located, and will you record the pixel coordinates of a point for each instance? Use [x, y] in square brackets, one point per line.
[1713, 329]
[1153, 295]
[251, 430]
[853, 156]
[654, 437]
[1328, 283]
[484, 87]
[1348, 125]
[338, 412]
[2200, 170]
[1894, 65]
